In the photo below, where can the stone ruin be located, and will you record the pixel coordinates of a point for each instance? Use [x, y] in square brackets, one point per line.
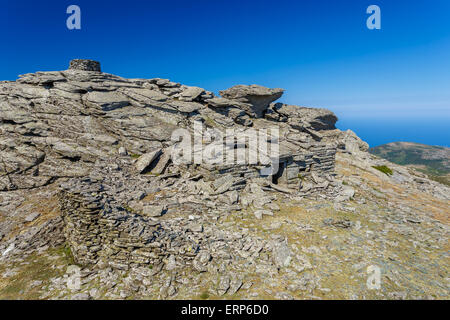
[106, 141]
[85, 65]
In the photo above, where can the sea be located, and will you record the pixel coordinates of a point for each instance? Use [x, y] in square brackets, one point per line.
[378, 131]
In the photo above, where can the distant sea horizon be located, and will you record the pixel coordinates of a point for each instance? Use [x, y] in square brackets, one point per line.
[378, 131]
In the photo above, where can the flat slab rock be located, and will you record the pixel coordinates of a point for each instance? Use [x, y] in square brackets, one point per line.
[152, 210]
[32, 216]
[146, 160]
[259, 97]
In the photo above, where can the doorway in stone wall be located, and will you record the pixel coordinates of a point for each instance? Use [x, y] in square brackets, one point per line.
[276, 177]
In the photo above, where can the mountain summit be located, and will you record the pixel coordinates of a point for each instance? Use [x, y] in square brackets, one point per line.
[148, 188]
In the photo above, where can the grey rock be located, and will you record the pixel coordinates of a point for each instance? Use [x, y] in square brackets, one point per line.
[122, 151]
[196, 227]
[201, 261]
[346, 194]
[351, 143]
[257, 96]
[146, 160]
[191, 93]
[146, 96]
[259, 213]
[302, 117]
[163, 161]
[32, 216]
[35, 283]
[81, 296]
[233, 197]
[282, 254]
[152, 210]
[94, 293]
[171, 263]
[235, 285]
[223, 286]
[107, 100]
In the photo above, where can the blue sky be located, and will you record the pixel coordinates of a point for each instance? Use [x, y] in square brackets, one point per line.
[319, 51]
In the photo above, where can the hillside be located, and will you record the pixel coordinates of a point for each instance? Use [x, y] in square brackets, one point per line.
[433, 160]
[95, 202]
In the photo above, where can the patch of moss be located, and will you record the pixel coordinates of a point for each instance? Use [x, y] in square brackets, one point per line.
[204, 295]
[209, 122]
[135, 156]
[129, 209]
[66, 253]
[386, 170]
[152, 174]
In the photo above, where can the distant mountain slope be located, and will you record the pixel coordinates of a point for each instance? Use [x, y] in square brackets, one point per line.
[433, 160]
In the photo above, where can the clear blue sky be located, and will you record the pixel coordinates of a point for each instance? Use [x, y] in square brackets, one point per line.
[320, 51]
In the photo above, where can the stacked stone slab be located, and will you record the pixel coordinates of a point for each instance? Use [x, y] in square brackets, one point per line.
[102, 229]
[97, 231]
[81, 213]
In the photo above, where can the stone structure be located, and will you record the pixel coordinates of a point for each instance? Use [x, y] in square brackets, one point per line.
[96, 231]
[85, 65]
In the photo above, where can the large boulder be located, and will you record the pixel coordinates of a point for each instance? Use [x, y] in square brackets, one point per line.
[258, 97]
[302, 117]
[190, 93]
[350, 142]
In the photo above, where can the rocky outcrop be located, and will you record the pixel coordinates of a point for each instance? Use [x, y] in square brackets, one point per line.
[65, 127]
[255, 99]
[303, 118]
[86, 161]
[351, 143]
[99, 232]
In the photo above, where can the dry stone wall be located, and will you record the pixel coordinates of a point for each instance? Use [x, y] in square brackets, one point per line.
[98, 232]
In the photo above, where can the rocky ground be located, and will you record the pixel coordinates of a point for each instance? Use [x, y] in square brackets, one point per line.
[92, 207]
[322, 248]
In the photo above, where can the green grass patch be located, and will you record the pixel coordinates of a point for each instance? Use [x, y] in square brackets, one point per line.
[386, 170]
[67, 254]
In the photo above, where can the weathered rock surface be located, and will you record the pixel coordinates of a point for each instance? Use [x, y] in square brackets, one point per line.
[87, 178]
